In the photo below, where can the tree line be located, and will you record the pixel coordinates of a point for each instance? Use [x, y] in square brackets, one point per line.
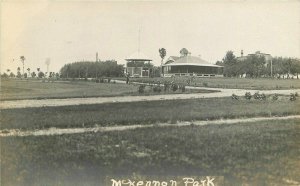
[255, 66]
[29, 73]
[89, 69]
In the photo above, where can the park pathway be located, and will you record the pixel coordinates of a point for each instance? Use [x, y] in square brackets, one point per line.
[100, 100]
[57, 131]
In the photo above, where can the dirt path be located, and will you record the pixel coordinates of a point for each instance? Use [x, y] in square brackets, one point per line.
[100, 100]
[57, 131]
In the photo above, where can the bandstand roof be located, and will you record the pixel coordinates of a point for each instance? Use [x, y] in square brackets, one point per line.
[191, 61]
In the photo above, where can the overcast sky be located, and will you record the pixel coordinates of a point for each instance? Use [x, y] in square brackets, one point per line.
[69, 31]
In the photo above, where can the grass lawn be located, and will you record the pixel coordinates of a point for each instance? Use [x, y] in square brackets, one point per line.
[12, 89]
[262, 153]
[240, 83]
[147, 112]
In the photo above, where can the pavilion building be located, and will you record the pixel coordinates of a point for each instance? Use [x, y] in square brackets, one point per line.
[190, 66]
[138, 65]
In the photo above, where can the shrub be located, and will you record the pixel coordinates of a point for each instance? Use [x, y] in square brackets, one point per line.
[157, 88]
[259, 96]
[296, 94]
[292, 97]
[256, 95]
[205, 84]
[141, 89]
[275, 97]
[235, 97]
[248, 95]
[174, 87]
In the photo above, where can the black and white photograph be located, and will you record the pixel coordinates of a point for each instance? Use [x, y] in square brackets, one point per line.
[149, 93]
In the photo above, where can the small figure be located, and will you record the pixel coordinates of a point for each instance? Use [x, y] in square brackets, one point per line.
[127, 77]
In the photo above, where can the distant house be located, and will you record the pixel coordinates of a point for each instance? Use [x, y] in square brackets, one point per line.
[190, 66]
[267, 57]
[138, 65]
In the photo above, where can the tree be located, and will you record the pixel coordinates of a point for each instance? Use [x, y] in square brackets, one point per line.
[287, 66]
[28, 69]
[295, 67]
[230, 63]
[38, 71]
[19, 73]
[162, 53]
[11, 75]
[33, 74]
[22, 60]
[184, 52]
[57, 75]
[41, 74]
[220, 70]
[108, 68]
[254, 66]
[4, 75]
[8, 70]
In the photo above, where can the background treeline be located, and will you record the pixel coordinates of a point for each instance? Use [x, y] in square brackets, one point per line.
[257, 66]
[89, 69]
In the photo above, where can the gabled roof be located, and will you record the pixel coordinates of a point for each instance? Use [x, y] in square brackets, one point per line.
[138, 56]
[174, 58]
[191, 60]
[171, 59]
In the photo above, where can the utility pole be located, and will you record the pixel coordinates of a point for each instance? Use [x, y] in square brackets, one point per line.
[47, 63]
[139, 40]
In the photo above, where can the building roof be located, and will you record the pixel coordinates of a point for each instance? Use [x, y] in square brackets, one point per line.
[138, 56]
[191, 60]
[173, 58]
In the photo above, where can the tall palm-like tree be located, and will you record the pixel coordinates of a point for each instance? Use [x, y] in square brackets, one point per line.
[184, 52]
[18, 73]
[162, 53]
[8, 70]
[22, 60]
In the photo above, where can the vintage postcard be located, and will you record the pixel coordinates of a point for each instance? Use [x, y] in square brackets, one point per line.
[150, 93]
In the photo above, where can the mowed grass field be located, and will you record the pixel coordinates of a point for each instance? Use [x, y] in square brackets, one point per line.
[145, 112]
[37, 89]
[258, 153]
[13, 89]
[265, 153]
[239, 83]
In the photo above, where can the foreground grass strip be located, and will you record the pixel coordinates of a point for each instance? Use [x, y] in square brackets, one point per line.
[37, 90]
[145, 112]
[55, 131]
[258, 153]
